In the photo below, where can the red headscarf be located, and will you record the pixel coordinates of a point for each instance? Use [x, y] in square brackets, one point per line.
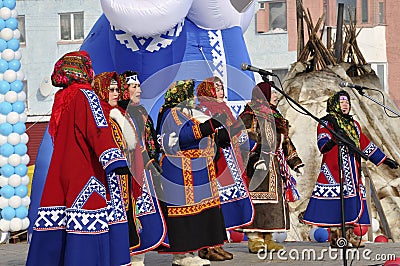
[207, 96]
[101, 84]
[73, 71]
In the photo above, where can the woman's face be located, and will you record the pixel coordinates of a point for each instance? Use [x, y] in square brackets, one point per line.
[113, 95]
[344, 106]
[134, 92]
[219, 89]
[274, 98]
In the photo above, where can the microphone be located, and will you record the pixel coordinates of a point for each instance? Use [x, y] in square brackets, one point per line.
[359, 88]
[258, 70]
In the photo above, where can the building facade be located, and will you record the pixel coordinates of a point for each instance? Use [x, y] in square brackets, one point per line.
[272, 37]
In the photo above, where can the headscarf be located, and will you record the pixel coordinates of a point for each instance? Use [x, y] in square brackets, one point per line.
[73, 67]
[101, 84]
[128, 77]
[73, 71]
[263, 91]
[178, 92]
[344, 121]
[207, 97]
[259, 104]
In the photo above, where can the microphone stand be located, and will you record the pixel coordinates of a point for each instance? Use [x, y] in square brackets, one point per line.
[342, 145]
[360, 91]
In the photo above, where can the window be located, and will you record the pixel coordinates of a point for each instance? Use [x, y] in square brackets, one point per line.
[277, 15]
[381, 13]
[364, 11]
[349, 9]
[262, 5]
[21, 28]
[71, 26]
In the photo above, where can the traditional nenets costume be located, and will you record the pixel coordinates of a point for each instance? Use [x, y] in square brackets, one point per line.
[324, 207]
[145, 170]
[236, 204]
[81, 219]
[271, 185]
[194, 217]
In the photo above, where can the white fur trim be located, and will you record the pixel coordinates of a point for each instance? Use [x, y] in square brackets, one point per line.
[127, 128]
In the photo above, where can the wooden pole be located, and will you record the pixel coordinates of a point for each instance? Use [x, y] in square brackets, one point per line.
[300, 27]
[339, 34]
[329, 37]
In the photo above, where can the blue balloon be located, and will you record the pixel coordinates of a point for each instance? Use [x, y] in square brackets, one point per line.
[21, 191]
[19, 128]
[6, 129]
[21, 170]
[21, 212]
[20, 149]
[16, 86]
[18, 107]
[9, 3]
[7, 191]
[5, 108]
[7, 170]
[13, 44]
[3, 43]
[12, 23]
[6, 149]
[3, 65]
[4, 86]
[321, 235]
[8, 213]
[14, 65]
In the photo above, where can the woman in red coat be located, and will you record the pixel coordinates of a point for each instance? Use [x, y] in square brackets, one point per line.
[81, 219]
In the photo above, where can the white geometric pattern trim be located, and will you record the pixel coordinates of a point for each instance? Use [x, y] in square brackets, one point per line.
[95, 106]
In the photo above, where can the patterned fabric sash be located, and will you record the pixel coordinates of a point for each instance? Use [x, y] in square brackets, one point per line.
[291, 193]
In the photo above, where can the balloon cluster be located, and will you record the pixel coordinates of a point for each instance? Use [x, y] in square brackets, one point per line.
[14, 199]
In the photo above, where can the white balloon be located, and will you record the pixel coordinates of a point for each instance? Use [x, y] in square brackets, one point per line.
[20, 75]
[14, 138]
[3, 160]
[3, 139]
[15, 224]
[312, 231]
[4, 225]
[25, 180]
[5, 13]
[25, 201]
[375, 225]
[14, 180]
[11, 96]
[18, 55]
[3, 118]
[279, 237]
[14, 160]
[1, 95]
[14, 202]
[7, 54]
[24, 138]
[12, 118]
[21, 96]
[25, 159]
[6, 34]
[10, 75]
[1, 76]
[25, 223]
[3, 202]
[23, 117]
[14, 13]
[3, 181]
[16, 34]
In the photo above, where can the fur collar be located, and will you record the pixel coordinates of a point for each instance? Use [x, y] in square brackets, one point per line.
[127, 128]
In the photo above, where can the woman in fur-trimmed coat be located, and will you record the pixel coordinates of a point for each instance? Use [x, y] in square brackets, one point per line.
[271, 184]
